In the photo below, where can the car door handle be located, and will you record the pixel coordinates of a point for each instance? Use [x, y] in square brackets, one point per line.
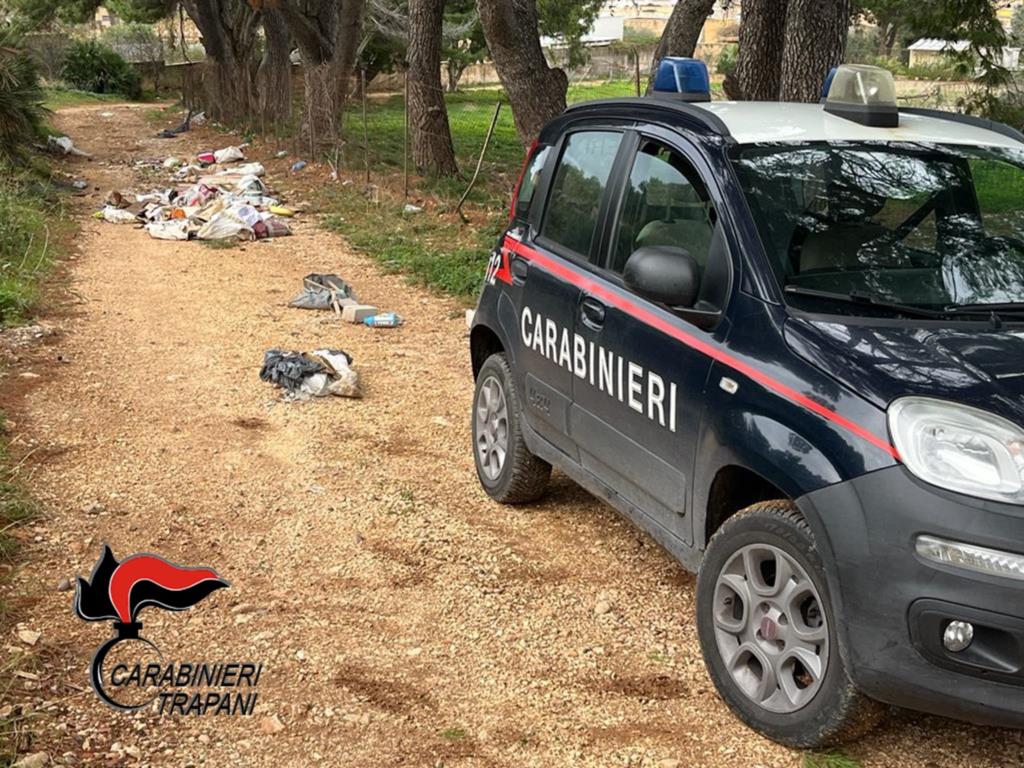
[520, 268]
[593, 312]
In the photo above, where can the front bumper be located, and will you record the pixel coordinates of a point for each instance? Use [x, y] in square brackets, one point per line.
[891, 605]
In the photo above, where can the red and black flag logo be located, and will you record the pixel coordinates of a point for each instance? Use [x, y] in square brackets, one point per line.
[118, 591]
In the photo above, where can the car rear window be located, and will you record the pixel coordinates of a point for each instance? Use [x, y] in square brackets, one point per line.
[583, 170]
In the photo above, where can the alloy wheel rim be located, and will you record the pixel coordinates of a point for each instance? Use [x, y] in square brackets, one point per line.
[770, 628]
[491, 428]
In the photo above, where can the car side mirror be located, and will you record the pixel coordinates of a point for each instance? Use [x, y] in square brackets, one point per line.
[663, 273]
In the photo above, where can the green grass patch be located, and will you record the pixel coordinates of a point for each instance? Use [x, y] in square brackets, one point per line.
[31, 217]
[453, 734]
[830, 759]
[58, 98]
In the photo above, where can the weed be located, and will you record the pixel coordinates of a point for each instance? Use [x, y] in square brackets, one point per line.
[453, 734]
[830, 759]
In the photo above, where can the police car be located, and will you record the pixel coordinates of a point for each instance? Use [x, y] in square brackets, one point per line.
[787, 340]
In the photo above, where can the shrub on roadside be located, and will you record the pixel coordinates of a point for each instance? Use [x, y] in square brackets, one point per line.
[726, 63]
[91, 66]
[21, 98]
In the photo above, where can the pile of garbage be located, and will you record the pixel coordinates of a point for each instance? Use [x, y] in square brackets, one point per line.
[222, 200]
[312, 374]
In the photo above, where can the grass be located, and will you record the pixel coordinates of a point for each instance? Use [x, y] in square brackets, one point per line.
[58, 98]
[31, 216]
[434, 247]
[830, 759]
[15, 505]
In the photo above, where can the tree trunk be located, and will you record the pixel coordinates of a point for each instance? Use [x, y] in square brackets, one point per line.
[454, 70]
[432, 150]
[327, 33]
[682, 33]
[274, 77]
[816, 33]
[229, 36]
[759, 60]
[535, 90]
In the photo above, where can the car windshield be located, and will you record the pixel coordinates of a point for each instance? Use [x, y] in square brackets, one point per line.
[936, 227]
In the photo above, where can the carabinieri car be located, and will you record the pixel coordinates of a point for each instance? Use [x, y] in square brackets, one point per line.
[787, 340]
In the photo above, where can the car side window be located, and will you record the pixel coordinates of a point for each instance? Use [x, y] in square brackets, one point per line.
[528, 182]
[571, 219]
[665, 203]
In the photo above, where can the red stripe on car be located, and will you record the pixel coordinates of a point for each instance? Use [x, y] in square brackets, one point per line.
[596, 289]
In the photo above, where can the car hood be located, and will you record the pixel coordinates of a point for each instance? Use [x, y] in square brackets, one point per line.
[983, 368]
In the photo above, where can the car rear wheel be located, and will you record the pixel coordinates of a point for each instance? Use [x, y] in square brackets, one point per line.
[506, 468]
[767, 631]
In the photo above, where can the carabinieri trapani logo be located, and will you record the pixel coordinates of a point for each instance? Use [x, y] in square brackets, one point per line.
[138, 674]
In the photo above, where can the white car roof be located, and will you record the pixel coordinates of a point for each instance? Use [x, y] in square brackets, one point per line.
[753, 122]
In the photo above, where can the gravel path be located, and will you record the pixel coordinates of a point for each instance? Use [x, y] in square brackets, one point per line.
[402, 618]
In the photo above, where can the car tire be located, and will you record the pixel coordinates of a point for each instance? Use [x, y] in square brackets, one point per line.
[758, 632]
[506, 468]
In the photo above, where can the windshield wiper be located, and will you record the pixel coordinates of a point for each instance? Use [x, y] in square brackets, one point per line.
[1006, 307]
[865, 299]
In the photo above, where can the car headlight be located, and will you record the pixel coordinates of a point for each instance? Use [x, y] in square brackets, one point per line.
[960, 448]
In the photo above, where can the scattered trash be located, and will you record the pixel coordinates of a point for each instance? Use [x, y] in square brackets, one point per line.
[198, 120]
[172, 162]
[298, 166]
[224, 225]
[280, 210]
[63, 145]
[410, 208]
[80, 185]
[117, 215]
[206, 158]
[313, 374]
[172, 133]
[324, 292]
[357, 313]
[282, 154]
[176, 229]
[229, 155]
[387, 320]
[470, 316]
[106, 115]
[271, 227]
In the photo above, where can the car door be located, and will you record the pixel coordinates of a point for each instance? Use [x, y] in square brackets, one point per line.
[544, 254]
[636, 411]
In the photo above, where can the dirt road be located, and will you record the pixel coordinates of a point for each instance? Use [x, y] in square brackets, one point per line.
[402, 618]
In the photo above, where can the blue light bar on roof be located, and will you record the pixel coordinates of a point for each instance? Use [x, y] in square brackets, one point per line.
[685, 79]
[828, 82]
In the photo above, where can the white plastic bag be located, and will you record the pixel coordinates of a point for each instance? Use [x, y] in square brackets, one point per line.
[118, 215]
[223, 226]
[63, 145]
[229, 155]
[176, 229]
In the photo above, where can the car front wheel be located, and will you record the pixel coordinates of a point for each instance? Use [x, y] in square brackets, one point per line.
[767, 631]
[506, 468]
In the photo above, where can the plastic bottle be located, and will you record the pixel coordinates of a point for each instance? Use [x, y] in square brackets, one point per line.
[386, 320]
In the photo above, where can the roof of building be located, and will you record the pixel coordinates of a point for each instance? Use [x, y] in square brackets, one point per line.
[935, 44]
[751, 122]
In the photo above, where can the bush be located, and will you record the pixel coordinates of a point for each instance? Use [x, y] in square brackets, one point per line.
[21, 98]
[91, 66]
[726, 63]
